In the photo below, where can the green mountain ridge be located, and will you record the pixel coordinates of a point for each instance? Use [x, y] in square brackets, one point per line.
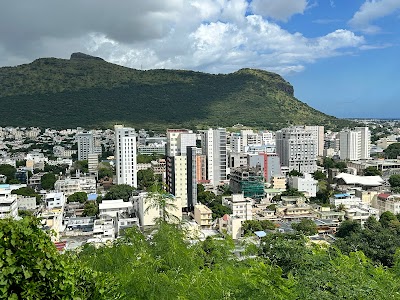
[90, 92]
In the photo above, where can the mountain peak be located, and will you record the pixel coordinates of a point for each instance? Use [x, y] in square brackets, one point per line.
[80, 55]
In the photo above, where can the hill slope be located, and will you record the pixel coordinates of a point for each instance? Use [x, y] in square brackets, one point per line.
[90, 92]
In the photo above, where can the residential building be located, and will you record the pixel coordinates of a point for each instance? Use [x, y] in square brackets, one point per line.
[355, 144]
[125, 155]
[318, 133]
[114, 208]
[203, 216]
[306, 184]
[85, 142]
[268, 163]
[297, 149]
[8, 204]
[54, 200]
[241, 207]
[26, 203]
[213, 143]
[387, 202]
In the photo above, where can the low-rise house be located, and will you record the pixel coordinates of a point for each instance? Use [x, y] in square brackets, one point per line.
[113, 208]
[26, 203]
[203, 216]
[294, 208]
[241, 207]
[8, 204]
[306, 184]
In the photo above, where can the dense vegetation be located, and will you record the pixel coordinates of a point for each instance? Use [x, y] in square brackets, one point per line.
[165, 265]
[52, 92]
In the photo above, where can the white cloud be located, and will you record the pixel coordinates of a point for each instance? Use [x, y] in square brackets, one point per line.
[278, 9]
[216, 36]
[372, 10]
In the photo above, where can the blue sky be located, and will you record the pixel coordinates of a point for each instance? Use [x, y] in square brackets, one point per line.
[342, 56]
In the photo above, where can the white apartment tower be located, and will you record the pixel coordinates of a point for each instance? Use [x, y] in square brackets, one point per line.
[125, 155]
[213, 143]
[318, 133]
[297, 149]
[355, 144]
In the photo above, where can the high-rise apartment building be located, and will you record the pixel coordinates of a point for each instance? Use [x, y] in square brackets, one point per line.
[355, 144]
[85, 144]
[297, 149]
[181, 166]
[213, 143]
[318, 133]
[125, 155]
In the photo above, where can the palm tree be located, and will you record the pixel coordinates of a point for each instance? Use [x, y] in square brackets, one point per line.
[158, 198]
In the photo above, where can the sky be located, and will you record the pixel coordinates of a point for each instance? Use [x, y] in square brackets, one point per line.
[341, 56]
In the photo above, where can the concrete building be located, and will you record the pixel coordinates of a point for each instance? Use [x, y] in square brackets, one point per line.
[297, 149]
[181, 166]
[306, 184]
[318, 133]
[213, 143]
[8, 204]
[26, 203]
[387, 202]
[85, 142]
[268, 163]
[249, 181]
[241, 207]
[54, 200]
[114, 208]
[69, 186]
[125, 155]
[355, 144]
[203, 216]
[93, 163]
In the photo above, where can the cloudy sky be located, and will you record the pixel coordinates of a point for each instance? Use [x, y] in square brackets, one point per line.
[342, 56]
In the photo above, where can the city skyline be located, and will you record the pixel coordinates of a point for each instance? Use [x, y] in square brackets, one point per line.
[341, 57]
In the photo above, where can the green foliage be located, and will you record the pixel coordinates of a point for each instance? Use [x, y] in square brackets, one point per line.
[91, 208]
[329, 163]
[372, 171]
[119, 191]
[394, 180]
[31, 267]
[9, 171]
[392, 151]
[56, 169]
[319, 175]
[292, 192]
[378, 242]
[306, 227]
[212, 201]
[145, 179]
[146, 159]
[251, 226]
[105, 172]
[295, 173]
[47, 181]
[253, 97]
[162, 201]
[81, 165]
[80, 197]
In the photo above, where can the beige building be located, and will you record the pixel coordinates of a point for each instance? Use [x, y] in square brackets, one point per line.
[387, 202]
[279, 182]
[241, 207]
[294, 208]
[231, 226]
[203, 216]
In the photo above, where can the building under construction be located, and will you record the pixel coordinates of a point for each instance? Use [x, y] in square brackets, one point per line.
[249, 181]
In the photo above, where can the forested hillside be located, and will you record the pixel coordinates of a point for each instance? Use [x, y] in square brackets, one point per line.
[90, 92]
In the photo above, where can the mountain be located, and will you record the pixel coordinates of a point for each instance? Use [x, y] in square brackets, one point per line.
[90, 92]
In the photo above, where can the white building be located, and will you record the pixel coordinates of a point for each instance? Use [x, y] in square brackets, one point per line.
[114, 208]
[387, 202]
[69, 186]
[241, 207]
[125, 155]
[318, 133]
[297, 149]
[54, 200]
[103, 231]
[8, 204]
[355, 144]
[306, 184]
[26, 203]
[213, 143]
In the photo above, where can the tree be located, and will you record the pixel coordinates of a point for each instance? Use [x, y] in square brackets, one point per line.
[387, 218]
[119, 191]
[106, 172]
[32, 268]
[294, 172]
[47, 181]
[328, 163]
[80, 197]
[341, 165]
[145, 179]
[306, 227]
[159, 199]
[372, 171]
[27, 192]
[90, 209]
[392, 151]
[292, 192]
[9, 171]
[348, 227]
[394, 180]
[319, 175]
